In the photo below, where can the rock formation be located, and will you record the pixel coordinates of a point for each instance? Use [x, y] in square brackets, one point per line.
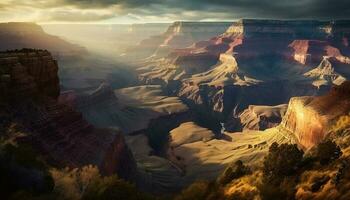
[256, 62]
[29, 89]
[309, 119]
[28, 73]
[262, 117]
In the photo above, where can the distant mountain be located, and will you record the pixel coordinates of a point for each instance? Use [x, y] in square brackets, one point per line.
[18, 35]
[106, 39]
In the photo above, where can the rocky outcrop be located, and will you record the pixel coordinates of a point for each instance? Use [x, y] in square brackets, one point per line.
[262, 117]
[29, 73]
[29, 90]
[309, 119]
[309, 52]
[17, 35]
[326, 73]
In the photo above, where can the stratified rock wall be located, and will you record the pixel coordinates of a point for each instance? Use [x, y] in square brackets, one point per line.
[257, 117]
[309, 119]
[29, 73]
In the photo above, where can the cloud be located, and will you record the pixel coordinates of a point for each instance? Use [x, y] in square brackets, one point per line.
[109, 3]
[170, 10]
[78, 16]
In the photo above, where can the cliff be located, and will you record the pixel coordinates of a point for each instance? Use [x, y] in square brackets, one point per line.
[262, 117]
[297, 28]
[28, 73]
[29, 90]
[309, 119]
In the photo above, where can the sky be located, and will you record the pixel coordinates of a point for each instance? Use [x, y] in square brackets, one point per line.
[147, 11]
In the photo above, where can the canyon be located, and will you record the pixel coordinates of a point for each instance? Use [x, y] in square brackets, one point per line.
[255, 62]
[156, 122]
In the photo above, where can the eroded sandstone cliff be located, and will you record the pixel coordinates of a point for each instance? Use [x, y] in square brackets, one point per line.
[309, 119]
[262, 117]
[28, 73]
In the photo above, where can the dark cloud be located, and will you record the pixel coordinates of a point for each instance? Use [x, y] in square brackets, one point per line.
[325, 9]
[169, 10]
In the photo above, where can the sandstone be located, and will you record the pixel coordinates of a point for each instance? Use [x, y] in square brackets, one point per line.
[257, 117]
[30, 73]
[309, 119]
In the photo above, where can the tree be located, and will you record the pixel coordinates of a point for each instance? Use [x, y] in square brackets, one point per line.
[282, 160]
[327, 152]
[280, 165]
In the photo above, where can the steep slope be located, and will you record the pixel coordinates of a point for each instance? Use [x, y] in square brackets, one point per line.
[309, 119]
[29, 91]
[29, 73]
